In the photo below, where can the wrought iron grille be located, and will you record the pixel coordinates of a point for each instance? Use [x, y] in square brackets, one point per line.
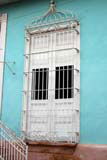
[52, 43]
[53, 19]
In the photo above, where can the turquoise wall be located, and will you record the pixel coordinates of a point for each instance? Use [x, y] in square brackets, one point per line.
[93, 96]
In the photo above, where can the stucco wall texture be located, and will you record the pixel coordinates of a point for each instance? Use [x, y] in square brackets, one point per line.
[93, 63]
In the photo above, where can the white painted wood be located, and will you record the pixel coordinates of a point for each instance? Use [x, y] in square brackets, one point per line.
[3, 24]
[40, 110]
[52, 119]
[25, 86]
[66, 116]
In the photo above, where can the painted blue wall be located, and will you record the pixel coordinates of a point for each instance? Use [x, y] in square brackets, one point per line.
[93, 96]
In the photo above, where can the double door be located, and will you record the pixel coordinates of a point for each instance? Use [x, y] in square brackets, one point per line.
[53, 82]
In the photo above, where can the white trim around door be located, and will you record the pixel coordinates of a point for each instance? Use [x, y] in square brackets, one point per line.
[3, 26]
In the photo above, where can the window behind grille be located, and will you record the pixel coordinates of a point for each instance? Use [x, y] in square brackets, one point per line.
[64, 82]
[39, 84]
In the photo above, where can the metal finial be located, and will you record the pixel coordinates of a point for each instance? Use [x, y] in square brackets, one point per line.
[52, 2]
[52, 6]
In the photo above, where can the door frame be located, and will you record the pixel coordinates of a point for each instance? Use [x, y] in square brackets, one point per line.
[3, 22]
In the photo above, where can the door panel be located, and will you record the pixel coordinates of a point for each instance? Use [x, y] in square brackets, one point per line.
[38, 114]
[64, 111]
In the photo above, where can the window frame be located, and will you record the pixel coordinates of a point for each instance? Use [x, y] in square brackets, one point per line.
[58, 88]
[35, 93]
[55, 89]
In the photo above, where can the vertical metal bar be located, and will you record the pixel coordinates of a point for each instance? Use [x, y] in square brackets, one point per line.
[63, 81]
[38, 83]
[6, 148]
[9, 149]
[47, 73]
[32, 92]
[42, 83]
[14, 151]
[17, 154]
[32, 86]
[72, 77]
[73, 38]
[35, 89]
[46, 83]
[20, 154]
[59, 83]
[1, 142]
[67, 80]
[34, 40]
[2, 145]
[37, 42]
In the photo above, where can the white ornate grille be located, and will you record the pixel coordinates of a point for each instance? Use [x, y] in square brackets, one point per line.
[52, 102]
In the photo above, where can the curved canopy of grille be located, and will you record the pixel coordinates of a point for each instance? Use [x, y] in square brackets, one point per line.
[53, 17]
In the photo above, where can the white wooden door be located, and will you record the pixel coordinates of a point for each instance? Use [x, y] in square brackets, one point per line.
[39, 103]
[66, 106]
[53, 102]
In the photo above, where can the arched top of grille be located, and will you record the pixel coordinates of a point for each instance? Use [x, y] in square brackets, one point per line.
[53, 17]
